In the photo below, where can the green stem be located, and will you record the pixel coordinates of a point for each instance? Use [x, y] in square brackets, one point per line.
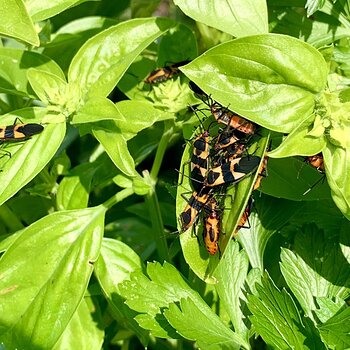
[157, 225]
[118, 197]
[9, 218]
[162, 146]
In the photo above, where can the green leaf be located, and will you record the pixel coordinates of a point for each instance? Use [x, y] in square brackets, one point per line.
[300, 142]
[83, 331]
[28, 158]
[277, 320]
[337, 163]
[73, 191]
[290, 178]
[231, 273]
[50, 88]
[270, 79]
[16, 23]
[336, 331]
[309, 271]
[238, 18]
[103, 59]
[206, 328]
[71, 36]
[149, 295]
[114, 265]
[46, 272]
[96, 109]
[14, 65]
[115, 144]
[269, 216]
[327, 308]
[313, 5]
[40, 10]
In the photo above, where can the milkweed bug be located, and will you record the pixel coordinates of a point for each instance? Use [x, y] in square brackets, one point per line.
[261, 174]
[19, 132]
[232, 171]
[317, 162]
[245, 216]
[164, 73]
[211, 226]
[194, 206]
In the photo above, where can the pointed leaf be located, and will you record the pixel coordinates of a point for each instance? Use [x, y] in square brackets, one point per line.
[277, 320]
[45, 273]
[103, 59]
[28, 158]
[231, 273]
[238, 18]
[205, 328]
[16, 22]
[309, 272]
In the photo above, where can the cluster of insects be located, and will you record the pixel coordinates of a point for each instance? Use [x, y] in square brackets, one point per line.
[217, 162]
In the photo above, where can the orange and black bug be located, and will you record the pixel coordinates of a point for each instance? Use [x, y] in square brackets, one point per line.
[164, 73]
[19, 132]
[245, 216]
[262, 173]
[224, 116]
[232, 171]
[317, 162]
[194, 206]
[200, 160]
[212, 226]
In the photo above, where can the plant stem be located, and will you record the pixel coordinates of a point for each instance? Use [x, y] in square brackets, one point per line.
[162, 146]
[118, 197]
[157, 225]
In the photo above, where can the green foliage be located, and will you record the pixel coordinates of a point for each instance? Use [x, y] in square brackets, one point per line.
[88, 205]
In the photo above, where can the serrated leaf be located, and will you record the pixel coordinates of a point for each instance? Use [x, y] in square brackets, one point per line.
[277, 320]
[269, 216]
[74, 189]
[83, 331]
[270, 79]
[40, 10]
[336, 331]
[309, 271]
[16, 22]
[28, 158]
[59, 251]
[231, 274]
[238, 18]
[103, 59]
[14, 65]
[50, 88]
[149, 295]
[205, 328]
[327, 308]
[313, 5]
[114, 265]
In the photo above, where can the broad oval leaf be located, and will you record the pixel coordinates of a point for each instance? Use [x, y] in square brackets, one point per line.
[103, 59]
[14, 65]
[271, 79]
[238, 18]
[45, 273]
[28, 158]
[16, 22]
